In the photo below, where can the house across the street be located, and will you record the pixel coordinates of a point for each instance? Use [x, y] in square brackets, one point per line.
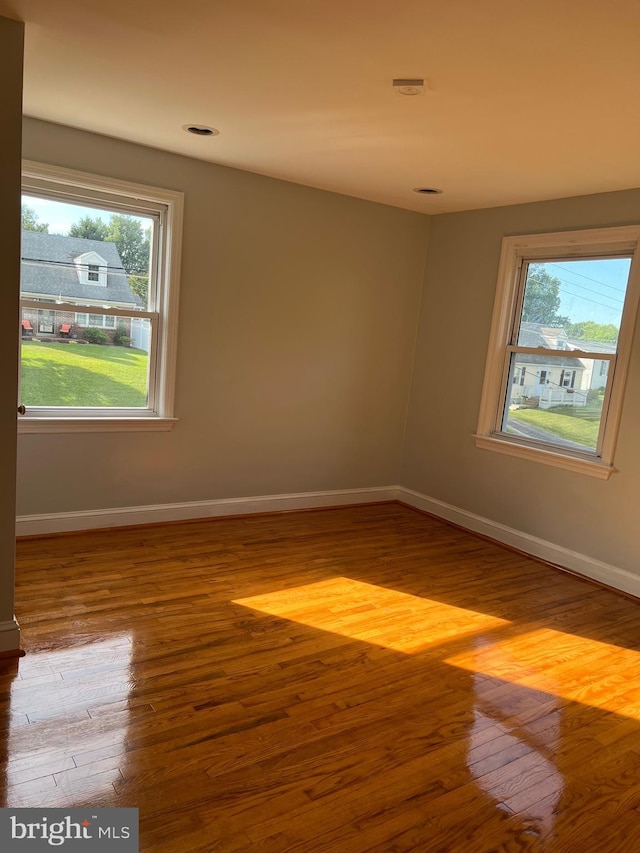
[557, 381]
[57, 269]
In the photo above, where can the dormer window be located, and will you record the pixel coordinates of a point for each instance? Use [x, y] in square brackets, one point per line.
[91, 269]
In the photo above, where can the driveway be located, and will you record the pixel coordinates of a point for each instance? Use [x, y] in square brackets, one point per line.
[515, 427]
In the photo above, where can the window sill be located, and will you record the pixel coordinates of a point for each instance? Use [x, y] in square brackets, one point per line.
[591, 468]
[27, 425]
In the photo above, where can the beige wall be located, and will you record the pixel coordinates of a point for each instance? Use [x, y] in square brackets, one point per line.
[11, 43]
[297, 328]
[298, 319]
[598, 518]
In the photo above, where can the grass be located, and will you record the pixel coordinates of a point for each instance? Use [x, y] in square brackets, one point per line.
[83, 375]
[579, 424]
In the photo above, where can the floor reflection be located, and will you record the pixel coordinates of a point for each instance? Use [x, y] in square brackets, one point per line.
[511, 758]
[72, 746]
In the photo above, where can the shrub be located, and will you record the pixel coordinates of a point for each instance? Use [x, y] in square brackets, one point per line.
[120, 337]
[95, 336]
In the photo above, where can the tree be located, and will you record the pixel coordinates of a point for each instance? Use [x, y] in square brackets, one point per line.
[542, 299]
[589, 330]
[139, 285]
[89, 228]
[132, 242]
[30, 221]
[134, 246]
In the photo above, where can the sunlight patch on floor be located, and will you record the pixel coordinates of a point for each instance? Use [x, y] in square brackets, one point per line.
[373, 614]
[571, 667]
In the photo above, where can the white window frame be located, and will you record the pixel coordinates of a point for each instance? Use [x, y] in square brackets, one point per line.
[87, 325]
[83, 265]
[166, 206]
[572, 245]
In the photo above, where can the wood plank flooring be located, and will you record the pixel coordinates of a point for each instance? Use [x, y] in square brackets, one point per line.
[366, 680]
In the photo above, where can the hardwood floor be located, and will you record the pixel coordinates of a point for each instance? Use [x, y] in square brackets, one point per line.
[361, 679]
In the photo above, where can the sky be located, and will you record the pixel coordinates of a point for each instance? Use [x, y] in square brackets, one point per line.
[592, 289]
[60, 216]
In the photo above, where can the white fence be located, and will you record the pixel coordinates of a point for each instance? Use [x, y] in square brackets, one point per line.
[141, 333]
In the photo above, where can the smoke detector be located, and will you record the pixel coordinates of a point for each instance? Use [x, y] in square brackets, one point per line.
[409, 85]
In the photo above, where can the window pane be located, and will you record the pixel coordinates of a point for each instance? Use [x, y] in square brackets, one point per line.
[574, 304]
[78, 365]
[91, 254]
[559, 401]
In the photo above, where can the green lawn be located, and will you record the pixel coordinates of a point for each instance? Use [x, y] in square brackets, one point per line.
[76, 374]
[579, 424]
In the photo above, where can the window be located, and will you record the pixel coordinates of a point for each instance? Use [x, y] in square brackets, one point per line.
[106, 321]
[519, 375]
[560, 342]
[91, 267]
[102, 355]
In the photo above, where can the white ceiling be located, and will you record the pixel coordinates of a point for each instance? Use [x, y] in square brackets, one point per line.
[527, 99]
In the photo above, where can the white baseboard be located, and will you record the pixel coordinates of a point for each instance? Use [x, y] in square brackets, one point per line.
[9, 636]
[579, 563]
[60, 522]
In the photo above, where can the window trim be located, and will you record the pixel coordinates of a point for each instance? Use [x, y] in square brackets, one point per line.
[86, 325]
[64, 184]
[572, 245]
[85, 269]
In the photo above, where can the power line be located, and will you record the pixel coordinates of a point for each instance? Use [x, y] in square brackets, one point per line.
[593, 301]
[586, 298]
[530, 373]
[596, 280]
[590, 290]
[70, 265]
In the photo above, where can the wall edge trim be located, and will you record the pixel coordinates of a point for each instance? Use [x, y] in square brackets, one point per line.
[9, 637]
[62, 522]
[580, 564]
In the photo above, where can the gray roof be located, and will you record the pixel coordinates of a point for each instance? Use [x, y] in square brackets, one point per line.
[537, 335]
[593, 346]
[48, 269]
